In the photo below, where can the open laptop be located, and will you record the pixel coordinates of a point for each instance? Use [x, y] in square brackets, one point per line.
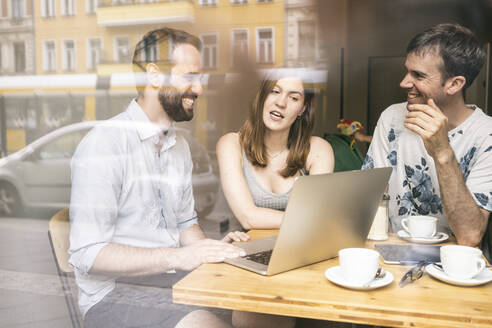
[324, 214]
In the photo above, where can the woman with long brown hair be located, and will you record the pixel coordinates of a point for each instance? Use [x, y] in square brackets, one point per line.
[275, 145]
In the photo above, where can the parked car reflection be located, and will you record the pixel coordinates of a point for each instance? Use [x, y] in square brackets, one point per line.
[38, 176]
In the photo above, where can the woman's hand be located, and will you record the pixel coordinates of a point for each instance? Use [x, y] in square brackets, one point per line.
[235, 236]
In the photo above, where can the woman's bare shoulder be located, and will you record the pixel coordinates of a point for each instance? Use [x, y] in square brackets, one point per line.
[321, 158]
[229, 142]
[320, 145]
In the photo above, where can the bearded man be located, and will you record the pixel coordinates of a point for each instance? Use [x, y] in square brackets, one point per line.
[132, 208]
[439, 147]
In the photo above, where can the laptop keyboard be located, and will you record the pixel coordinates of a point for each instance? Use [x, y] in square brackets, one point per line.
[261, 257]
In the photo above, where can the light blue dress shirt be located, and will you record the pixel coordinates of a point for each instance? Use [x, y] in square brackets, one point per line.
[125, 191]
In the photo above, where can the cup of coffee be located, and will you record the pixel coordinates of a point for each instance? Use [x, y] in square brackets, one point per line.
[420, 226]
[461, 262]
[358, 265]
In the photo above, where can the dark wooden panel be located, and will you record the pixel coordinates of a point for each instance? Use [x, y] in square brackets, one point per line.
[385, 75]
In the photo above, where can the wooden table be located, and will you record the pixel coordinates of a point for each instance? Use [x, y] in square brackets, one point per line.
[305, 292]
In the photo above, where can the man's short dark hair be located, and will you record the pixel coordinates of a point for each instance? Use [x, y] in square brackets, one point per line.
[460, 50]
[157, 37]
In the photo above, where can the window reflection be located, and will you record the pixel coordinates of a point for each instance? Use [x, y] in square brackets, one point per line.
[75, 57]
[62, 147]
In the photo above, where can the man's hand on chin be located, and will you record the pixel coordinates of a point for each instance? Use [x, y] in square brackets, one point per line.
[431, 125]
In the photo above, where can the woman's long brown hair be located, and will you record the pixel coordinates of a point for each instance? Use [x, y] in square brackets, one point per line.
[252, 133]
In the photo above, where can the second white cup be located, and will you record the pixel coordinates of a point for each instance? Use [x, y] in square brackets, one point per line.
[461, 262]
[420, 226]
[358, 265]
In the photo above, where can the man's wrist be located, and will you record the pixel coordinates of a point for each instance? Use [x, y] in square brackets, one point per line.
[169, 258]
[444, 157]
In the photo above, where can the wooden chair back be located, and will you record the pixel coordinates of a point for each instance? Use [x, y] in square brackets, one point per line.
[58, 234]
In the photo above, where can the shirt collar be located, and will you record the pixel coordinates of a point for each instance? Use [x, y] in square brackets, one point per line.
[469, 120]
[148, 130]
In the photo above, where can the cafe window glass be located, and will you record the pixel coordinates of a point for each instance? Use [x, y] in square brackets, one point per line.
[16, 113]
[58, 111]
[62, 147]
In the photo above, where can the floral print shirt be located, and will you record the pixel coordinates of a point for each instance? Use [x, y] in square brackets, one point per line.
[413, 186]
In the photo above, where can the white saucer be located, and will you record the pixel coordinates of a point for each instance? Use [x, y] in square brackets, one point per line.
[334, 275]
[482, 278]
[438, 238]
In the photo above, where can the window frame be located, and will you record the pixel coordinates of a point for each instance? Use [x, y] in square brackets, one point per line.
[315, 43]
[216, 34]
[143, 54]
[70, 11]
[45, 57]
[22, 8]
[15, 56]
[257, 32]
[51, 5]
[116, 58]
[207, 3]
[1, 57]
[88, 7]
[64, 57]
[244, 29]
[88, 51]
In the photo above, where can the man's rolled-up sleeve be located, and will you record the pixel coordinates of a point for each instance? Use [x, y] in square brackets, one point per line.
[479, 179]
[377, 154]
[186, 216]
[96, 187]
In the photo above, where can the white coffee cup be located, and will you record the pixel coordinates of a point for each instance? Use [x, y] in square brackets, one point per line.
[420, 226]
[461, 262]
[358, 265]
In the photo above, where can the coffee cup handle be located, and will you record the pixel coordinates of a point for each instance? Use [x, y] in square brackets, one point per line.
[404, 225]
[434, 232]
[480, 265]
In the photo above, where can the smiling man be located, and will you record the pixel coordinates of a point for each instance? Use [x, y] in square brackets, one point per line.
[439, 147]
[132, 209]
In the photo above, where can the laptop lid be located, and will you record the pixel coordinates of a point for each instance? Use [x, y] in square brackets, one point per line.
[326, 213]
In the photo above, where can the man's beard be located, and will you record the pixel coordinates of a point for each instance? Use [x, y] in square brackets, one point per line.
[171, 101]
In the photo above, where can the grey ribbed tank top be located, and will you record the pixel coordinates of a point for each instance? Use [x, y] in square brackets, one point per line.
[261, 196]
